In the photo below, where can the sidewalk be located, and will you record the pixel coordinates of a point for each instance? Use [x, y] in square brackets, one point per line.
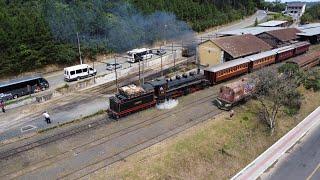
[271, 155]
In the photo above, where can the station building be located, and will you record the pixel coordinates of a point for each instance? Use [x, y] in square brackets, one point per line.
[223, 49]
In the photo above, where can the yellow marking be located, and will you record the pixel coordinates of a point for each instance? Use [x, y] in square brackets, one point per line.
[313, 172]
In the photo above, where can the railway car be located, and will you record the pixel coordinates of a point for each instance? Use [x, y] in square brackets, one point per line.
[233, 93]
[306, 61]
[225, 71]
[261, 60]
[301, 47]
[284, 53]
[131, 99]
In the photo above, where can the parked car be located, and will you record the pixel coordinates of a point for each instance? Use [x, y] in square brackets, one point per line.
[5, 97]
[112, 66]
[160, 52]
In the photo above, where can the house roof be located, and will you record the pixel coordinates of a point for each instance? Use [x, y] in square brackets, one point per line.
[272, 23]
[238, 46]
[284, 34]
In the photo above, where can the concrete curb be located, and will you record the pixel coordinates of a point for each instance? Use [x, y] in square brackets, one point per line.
[271, 155]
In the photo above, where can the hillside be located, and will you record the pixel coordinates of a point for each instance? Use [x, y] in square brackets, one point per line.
[37, 33]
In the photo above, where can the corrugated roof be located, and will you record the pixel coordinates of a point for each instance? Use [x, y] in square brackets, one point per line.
[242, 45]
[272, 23]
[256, 57]
[307, 26]
[228, 64]
[285, 34]
[249, 30]
[310, 32]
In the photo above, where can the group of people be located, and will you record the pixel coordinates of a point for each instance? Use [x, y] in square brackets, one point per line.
[45, 114]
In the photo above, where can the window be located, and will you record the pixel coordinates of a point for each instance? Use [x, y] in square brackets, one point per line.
[85, 70]
[72, 72]
[78, 71]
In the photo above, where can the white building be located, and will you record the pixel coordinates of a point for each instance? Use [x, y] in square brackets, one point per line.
[295, 9]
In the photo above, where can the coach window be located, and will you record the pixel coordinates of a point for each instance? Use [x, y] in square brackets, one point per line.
[72, 72]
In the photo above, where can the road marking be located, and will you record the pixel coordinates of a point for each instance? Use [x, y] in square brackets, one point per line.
[313, 172]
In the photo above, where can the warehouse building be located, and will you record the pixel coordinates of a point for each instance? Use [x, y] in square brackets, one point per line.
[311, 34]
[280, 37]
[220, 50]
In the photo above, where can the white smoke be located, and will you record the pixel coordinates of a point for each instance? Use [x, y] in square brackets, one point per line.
[168, 104]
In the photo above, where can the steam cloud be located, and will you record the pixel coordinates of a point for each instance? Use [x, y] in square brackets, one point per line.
[114, 25]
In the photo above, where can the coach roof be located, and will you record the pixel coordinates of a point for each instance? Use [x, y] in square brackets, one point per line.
[228, 64]
[238, 46]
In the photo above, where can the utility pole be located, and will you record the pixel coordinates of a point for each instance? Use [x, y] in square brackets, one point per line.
[116, 73]
[79, 48]
[197, 60]
[174, 62]
[161, 60]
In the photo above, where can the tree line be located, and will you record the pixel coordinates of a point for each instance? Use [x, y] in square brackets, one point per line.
[312, 14]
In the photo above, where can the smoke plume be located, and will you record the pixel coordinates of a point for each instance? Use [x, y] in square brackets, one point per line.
[113, 25]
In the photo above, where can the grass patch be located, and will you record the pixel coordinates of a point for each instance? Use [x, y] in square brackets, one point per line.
[279, 16]
[65, 86]
[18, 100]
[217, 149]
[100, 112]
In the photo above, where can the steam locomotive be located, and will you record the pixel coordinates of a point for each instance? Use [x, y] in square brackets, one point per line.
[134, 98]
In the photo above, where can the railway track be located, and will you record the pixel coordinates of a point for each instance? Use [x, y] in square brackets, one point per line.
[101, 140]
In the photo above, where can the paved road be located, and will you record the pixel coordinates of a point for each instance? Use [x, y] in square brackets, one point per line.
[301, 162]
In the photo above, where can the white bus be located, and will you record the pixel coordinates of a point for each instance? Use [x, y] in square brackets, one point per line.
[78, 72]
[135, 54]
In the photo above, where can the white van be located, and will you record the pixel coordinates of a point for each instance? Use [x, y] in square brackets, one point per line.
[134, 54]
[78, 72]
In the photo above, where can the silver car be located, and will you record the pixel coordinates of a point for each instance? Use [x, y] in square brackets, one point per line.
[112, 66]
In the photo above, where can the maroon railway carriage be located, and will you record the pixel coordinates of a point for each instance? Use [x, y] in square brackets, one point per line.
[301, 47]
[227, 70]
[284, 53]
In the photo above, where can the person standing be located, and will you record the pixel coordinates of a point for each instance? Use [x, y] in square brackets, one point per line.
[47, 117]
[2, 106]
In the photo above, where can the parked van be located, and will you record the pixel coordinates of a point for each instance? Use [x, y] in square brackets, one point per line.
[78, 72]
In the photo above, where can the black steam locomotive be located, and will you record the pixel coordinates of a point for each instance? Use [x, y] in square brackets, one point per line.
[134, 98]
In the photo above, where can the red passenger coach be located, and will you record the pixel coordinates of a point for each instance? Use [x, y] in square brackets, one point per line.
[227, 70]
[301, 47]
[284, 53]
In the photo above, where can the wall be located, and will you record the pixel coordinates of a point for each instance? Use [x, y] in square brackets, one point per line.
[210, 54]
